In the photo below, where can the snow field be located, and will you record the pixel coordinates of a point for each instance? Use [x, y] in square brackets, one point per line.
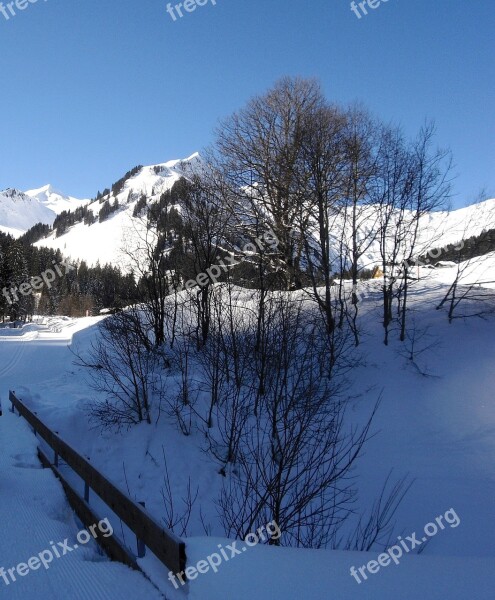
[36, 516]
[438, 430]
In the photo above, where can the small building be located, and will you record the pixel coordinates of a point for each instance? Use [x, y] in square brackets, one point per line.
[377, 273]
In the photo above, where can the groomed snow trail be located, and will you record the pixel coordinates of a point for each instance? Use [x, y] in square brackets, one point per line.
[34, 514]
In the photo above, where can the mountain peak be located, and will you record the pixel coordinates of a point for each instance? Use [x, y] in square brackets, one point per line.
[47, 189]
[53, 199]
[19, 212]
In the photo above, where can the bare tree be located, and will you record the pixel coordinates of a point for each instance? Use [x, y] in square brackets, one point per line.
[259, 151]
[413, 181]
[207, 220]
[122, 365]
[392, 192]
[144, 253]
[430, 192]
[177, 519]
[295, 456]
[362, 152]
[342, 161]
[323, 154]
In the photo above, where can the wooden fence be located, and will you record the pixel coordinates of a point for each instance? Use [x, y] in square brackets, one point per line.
[168, 548]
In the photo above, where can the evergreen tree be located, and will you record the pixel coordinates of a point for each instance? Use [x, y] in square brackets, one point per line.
[16, 273]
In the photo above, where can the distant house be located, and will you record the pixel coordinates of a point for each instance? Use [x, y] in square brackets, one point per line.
[377, 273]
[110, 311]
[445, 264]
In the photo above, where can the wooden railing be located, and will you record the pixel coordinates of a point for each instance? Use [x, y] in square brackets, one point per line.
[168, 548]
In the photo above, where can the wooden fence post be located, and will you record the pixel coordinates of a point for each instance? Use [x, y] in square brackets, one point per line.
[141, 546]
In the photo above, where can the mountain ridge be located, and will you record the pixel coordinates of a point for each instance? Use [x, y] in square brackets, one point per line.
[102, 238]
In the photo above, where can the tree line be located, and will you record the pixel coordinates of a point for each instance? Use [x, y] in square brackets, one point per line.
[73, 294]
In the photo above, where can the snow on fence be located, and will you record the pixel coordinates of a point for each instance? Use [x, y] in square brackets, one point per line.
[166, 546]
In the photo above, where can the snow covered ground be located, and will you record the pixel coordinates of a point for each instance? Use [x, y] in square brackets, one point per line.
[35, 517]
[439, 430]
[479, 272]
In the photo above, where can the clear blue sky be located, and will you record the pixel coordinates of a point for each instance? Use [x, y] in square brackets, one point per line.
[90, 88]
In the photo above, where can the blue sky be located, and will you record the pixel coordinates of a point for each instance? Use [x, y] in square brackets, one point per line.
[91, 88]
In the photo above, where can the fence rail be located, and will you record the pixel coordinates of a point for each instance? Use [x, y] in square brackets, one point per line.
[167, 547]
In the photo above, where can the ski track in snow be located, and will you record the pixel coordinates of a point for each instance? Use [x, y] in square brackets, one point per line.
[13, 360]
[33, 510]
[34, 514]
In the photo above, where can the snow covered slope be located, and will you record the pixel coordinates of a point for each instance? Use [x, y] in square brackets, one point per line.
[104, 241]
[19, 212]
[436, 230]
[12, 231]
[55, 200]
[479, 270]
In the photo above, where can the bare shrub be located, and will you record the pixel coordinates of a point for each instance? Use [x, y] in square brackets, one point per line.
[122, 365]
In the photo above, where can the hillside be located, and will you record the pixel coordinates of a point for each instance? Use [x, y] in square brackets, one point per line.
[104, 241]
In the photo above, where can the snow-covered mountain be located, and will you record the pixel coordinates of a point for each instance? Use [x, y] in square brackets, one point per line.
[55, 200]
[19, 212]
[104, 241]
[437, 230]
